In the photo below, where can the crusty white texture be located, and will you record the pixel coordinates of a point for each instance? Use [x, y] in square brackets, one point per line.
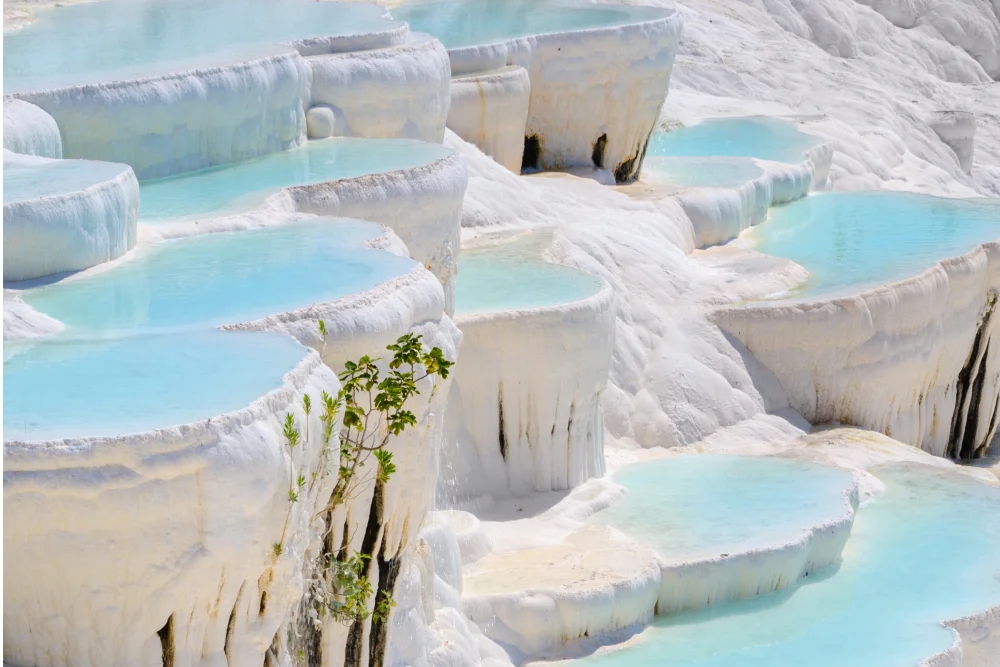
[490, 110]
[70, 230]
[398, 91]
[902, 359]
[180, 122]
[586, 84]
[28, 129]
[527, 398]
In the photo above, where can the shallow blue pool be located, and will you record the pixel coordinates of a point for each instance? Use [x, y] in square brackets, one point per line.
[849, 240]
[23, 181]
[459, 23]
[711, 504]
[237, 187]
[112, 40]
[756, 136]
[513, 276]
[926, 550]
[62, 388]
[696, 172]
[223, 278]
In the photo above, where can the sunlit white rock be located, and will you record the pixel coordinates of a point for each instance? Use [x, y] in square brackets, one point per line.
[490, 110]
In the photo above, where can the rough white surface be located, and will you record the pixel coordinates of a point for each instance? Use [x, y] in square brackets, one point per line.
[490, 111]
[526, 398]
[28, 129]
[891, 358]
[399, 91]
[958, 130]
[203, 504]
[422, 205]
[720, 214]
[180, 122]
[71, 230]
[618, 82]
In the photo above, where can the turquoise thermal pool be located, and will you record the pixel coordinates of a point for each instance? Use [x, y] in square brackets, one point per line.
[513, 276]
[237, 187]
[474, 22]
[924, 551]
[758, 137]
[695, 172]
[224, 278]
[98, 42]
[63, 388]
[694, 507]
[861, 239]
[47, 178]
[140, 350]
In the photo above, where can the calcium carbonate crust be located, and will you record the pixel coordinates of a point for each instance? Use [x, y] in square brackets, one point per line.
[69, 231]
[720, 214]
[29, 130]
[232, 473]
[168, 124]
[422, 205]
[490, 111]
[526, 400]
[620, 79]
[604, 593]
[400, 91]
[912, 359]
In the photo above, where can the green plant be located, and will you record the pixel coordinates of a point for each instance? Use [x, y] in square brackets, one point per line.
[368, 411]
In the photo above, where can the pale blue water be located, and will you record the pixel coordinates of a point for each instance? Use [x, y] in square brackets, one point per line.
[223, 278]
[860, 239]
[21, 181]
[118, 39]
[513, 276]
[459, 23]
[241, 186]
[926, 550]
[63, 388]
[756, 136]
[693, 507]
[698, 172]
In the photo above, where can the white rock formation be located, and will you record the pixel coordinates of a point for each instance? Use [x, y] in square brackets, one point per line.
[179, 122]
[958, 130]
[72, 229]
[397, 91]
[526, 398]
[29, 130]
[206, 502]
[912, 359]
[422, 205]
[490, 111]
[196, 576]
[619, 80]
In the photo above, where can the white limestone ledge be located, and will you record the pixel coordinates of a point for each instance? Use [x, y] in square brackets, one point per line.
[29, 130]
[204, 503]
[171, 123]
[597, 581]
[526, 399]
[422, 205]
[22, 321]
[490, 111]
[398, 91]
[957, 129]
[912, 359]
[90, 222]
[718, 213]
[596, 93]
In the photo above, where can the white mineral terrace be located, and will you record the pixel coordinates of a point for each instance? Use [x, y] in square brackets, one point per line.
[718, 280]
